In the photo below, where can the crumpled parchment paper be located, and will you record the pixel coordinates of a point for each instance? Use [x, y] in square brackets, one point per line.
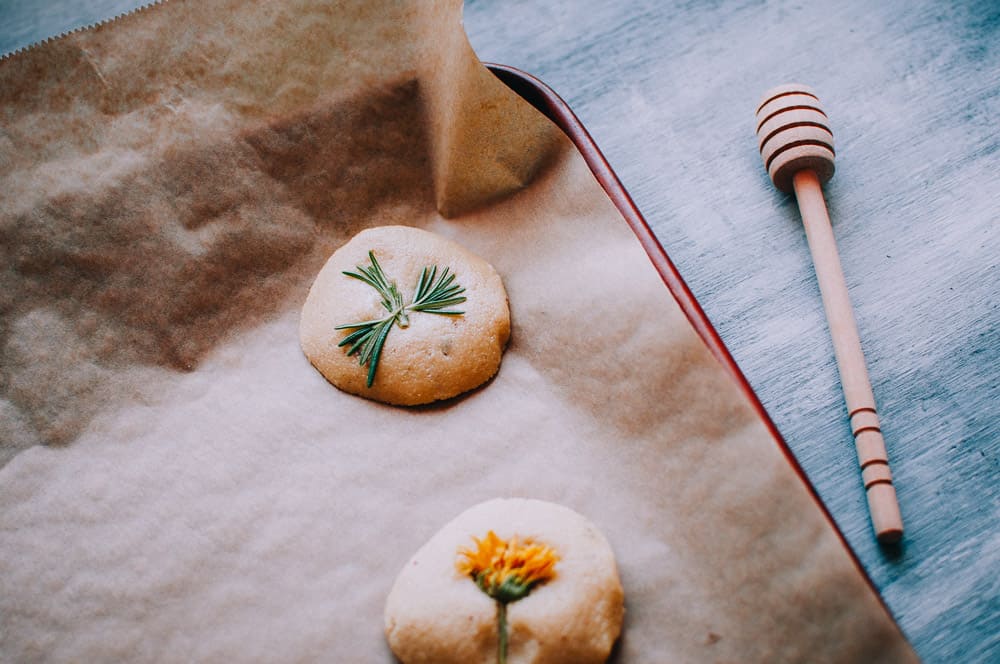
[181, 485]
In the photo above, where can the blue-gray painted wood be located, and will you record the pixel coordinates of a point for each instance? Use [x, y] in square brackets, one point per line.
[913, 92]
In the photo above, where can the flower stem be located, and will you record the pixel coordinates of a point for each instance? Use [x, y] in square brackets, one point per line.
[501, 633]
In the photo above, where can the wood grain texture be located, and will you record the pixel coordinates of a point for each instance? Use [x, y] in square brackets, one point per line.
[913, 93]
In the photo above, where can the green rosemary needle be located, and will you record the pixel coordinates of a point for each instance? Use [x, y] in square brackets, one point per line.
[433, 294]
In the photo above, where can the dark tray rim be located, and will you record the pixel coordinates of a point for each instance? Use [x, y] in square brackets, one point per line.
[550, 104]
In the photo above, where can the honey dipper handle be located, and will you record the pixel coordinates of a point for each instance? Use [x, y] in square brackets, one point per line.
[874, 461]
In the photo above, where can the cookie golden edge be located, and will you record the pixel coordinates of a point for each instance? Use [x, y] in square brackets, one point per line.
[437, 357]
[435, 614]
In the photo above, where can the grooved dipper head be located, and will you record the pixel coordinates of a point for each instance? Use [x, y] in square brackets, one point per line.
[793, 134]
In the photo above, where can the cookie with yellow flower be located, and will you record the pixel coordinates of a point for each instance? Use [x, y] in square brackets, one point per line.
[510, 581]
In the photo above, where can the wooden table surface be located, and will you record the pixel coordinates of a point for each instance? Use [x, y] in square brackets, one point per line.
[668, 90]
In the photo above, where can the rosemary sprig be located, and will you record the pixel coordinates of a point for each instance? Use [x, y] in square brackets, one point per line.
[433, 294]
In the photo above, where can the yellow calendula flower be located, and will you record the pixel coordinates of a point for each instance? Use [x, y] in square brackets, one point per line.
[507, 570]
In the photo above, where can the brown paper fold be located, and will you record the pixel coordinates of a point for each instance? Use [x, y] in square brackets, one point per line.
[181, 484]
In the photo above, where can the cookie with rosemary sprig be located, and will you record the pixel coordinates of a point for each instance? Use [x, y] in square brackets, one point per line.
[406, 317]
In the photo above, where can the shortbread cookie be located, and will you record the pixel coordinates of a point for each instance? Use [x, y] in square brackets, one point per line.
[447, 338]
[439, 609]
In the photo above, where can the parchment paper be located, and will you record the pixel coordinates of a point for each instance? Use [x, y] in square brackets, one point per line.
[183, 486]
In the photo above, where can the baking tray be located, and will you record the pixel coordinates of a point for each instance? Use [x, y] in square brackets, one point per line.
[550, 104]
[545, 100]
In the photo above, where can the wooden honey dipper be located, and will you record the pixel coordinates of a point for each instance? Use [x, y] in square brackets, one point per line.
[797, 147]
